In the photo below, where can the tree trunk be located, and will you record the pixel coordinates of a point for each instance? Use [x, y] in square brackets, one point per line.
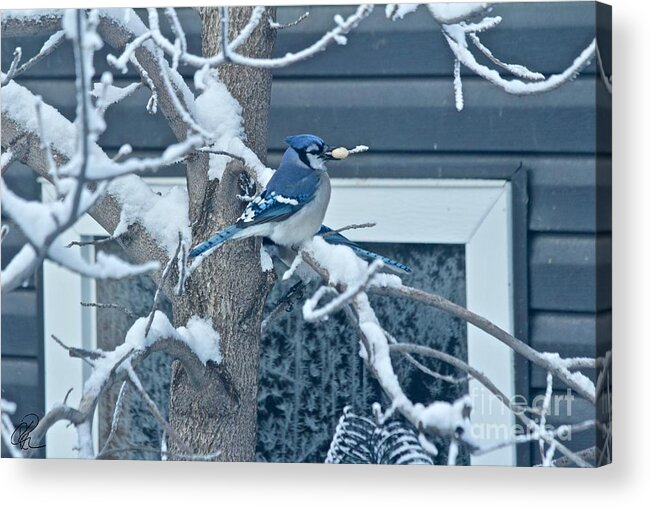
[230, 286]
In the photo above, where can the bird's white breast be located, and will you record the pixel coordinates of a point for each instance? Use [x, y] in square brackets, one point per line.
[302, 226]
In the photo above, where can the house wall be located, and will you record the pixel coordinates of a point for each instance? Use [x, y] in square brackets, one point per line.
[391, 88]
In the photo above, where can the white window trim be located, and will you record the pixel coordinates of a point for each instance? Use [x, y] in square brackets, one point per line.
[476, 213]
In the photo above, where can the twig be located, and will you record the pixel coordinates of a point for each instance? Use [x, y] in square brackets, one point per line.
[177, 29]
[516, 70]
[112, 306]
[446, 378]
[117, 412]
[135, 382]
[487, 326]
[285, 304]
[281, 26]
[461, 365]
[588, 454]
[220, 152]
[164, 276]
[65, 398]
[602, 71]
[50, 45]
[18, 54]
[349, 228]
[152, 103]
[310, 311]
[336, 35]
[91, 242]
[83, 354]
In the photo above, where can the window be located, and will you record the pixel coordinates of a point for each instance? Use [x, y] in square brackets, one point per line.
[472, 213]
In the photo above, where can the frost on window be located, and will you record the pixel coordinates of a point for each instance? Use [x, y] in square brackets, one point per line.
[310, 372]
[138, 427]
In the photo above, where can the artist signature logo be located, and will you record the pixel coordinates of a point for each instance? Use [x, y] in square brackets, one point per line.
[21, 437]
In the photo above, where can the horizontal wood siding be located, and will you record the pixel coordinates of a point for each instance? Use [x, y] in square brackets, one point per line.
[390, 87]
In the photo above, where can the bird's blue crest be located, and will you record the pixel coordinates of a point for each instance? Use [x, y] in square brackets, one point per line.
[302, 141]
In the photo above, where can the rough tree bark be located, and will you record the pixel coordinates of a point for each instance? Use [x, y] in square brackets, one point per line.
[230, 286]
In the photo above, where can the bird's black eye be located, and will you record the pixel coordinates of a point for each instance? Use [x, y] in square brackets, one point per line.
[315, 149]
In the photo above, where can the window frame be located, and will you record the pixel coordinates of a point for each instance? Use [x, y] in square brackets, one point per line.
[475, 212]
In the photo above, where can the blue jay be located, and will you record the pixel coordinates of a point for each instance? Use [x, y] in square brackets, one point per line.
[291, 208]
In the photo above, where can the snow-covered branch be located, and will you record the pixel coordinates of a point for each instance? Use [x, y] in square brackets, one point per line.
[457, 25]
[193, 345]
[44, 223]
[85, 179]
[351, 279]
[456, 36]
[561, 368]
[337, 34]
[48, 47]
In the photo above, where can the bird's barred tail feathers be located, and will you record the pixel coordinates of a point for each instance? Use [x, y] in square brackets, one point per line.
[389, 263]
[339, 239]
[213, 241]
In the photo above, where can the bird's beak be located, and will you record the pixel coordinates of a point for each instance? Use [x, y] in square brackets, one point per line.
[328, 154]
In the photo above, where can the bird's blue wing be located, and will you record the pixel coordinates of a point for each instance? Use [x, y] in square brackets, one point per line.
[339, 239]
[286, 193]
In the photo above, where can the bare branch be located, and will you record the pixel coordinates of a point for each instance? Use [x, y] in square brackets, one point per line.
[169, 430]
[111, 306]
[225, 153]
[446, 378]
[281, 26]
[83, 354]
[351, 227]
[285, 304]
[91, 242]
[161, 284]
[115, 420]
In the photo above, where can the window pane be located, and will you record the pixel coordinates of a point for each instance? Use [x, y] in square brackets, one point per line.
[310, 372]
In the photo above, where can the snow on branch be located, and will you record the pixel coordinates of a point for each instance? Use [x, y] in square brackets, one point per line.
[30, 22]
[194, 345]
[454, 20]
[228, 53]
[351, 279]
[82, 174]
[575, 380]
[281, 26]
[456, 38]
[48, 47]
